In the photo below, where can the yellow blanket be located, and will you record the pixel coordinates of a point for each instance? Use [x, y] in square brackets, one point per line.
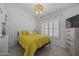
[32, 42]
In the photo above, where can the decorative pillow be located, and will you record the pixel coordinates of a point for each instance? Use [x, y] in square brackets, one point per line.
[24, 32]
[34, 32]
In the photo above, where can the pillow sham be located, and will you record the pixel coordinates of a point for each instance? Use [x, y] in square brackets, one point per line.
[34, 32]
[25, 32]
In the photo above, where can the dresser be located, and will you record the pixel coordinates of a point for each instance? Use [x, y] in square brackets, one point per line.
[72, 41]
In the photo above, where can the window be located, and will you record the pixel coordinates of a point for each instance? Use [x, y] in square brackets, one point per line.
[46, 29]
[42, 28]
[51, 28]
[56, 28]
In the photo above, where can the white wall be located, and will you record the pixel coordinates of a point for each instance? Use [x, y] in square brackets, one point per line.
[62, 15]
[18, 19]
[66, 14]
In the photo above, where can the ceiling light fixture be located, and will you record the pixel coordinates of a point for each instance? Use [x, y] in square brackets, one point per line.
[38, 9]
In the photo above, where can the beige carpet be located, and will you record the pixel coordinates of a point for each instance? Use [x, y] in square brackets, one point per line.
[16, 51]
[45, 51]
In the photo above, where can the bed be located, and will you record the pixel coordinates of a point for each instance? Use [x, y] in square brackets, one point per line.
[31, 43]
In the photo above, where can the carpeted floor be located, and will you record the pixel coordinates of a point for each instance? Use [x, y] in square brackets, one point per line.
[16, 51]
[45, 51]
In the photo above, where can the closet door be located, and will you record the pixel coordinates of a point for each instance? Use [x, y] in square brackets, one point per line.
[3, 39]
[0, 22]
[2, 17]
[1, 29]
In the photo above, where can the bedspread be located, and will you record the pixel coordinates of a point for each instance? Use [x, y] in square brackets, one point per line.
[32, 42]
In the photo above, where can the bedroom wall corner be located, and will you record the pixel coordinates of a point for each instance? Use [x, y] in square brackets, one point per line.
[18, 19]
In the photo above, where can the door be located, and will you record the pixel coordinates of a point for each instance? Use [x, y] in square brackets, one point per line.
[0, 21]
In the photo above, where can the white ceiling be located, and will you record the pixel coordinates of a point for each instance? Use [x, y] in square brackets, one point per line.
[48, 7]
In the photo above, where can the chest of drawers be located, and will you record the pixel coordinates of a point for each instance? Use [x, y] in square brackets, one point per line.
[72, 41]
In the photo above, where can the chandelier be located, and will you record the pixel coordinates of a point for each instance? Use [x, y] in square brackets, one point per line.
[38, 9]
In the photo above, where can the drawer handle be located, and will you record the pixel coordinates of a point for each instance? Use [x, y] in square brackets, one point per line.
[69, 31]
[68, 44]
[68, 39]
[68, 49]
[1, 37]
[69, 35]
